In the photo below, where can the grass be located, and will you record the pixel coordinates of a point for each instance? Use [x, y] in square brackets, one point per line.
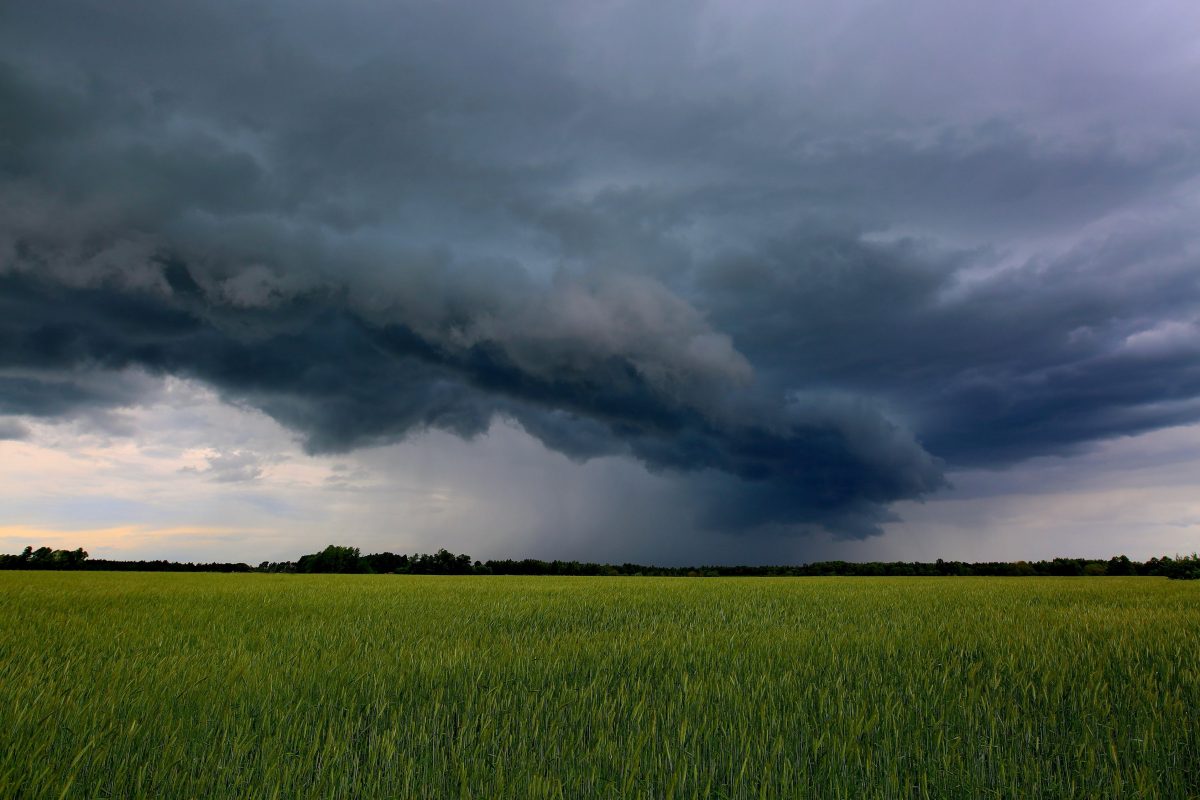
[258, 686]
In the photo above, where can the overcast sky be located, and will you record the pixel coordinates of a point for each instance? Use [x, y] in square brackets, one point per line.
[678, 282]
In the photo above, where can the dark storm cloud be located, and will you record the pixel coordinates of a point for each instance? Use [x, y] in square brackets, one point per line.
[1102, 341]
[345, 383]
[777, 252]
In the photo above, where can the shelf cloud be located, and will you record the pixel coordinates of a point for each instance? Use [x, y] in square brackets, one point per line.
[806, 260]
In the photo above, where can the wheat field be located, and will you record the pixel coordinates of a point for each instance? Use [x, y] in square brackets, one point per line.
[121, 685]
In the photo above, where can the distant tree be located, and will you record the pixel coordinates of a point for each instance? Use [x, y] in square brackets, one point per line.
[1066, 566]
[333, 558]
[1183, 568]
[1120, 565]
[386, 562]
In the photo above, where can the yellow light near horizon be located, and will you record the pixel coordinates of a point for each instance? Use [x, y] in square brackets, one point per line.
[109, 540]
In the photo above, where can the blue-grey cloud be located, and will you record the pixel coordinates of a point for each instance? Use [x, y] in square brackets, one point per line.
[13, 430]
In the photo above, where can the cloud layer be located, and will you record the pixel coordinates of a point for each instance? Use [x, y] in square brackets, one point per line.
[806, 258]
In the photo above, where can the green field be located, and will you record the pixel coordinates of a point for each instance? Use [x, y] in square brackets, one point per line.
[255, 686]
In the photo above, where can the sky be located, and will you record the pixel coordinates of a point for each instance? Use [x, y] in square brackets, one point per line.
[681, 282]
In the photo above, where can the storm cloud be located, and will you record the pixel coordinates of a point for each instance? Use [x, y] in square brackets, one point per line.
[806, 258]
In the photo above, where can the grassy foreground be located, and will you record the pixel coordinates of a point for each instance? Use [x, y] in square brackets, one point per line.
[258, 686]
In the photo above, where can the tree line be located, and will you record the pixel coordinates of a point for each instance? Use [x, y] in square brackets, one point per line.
[77, 559]
[349, 560]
